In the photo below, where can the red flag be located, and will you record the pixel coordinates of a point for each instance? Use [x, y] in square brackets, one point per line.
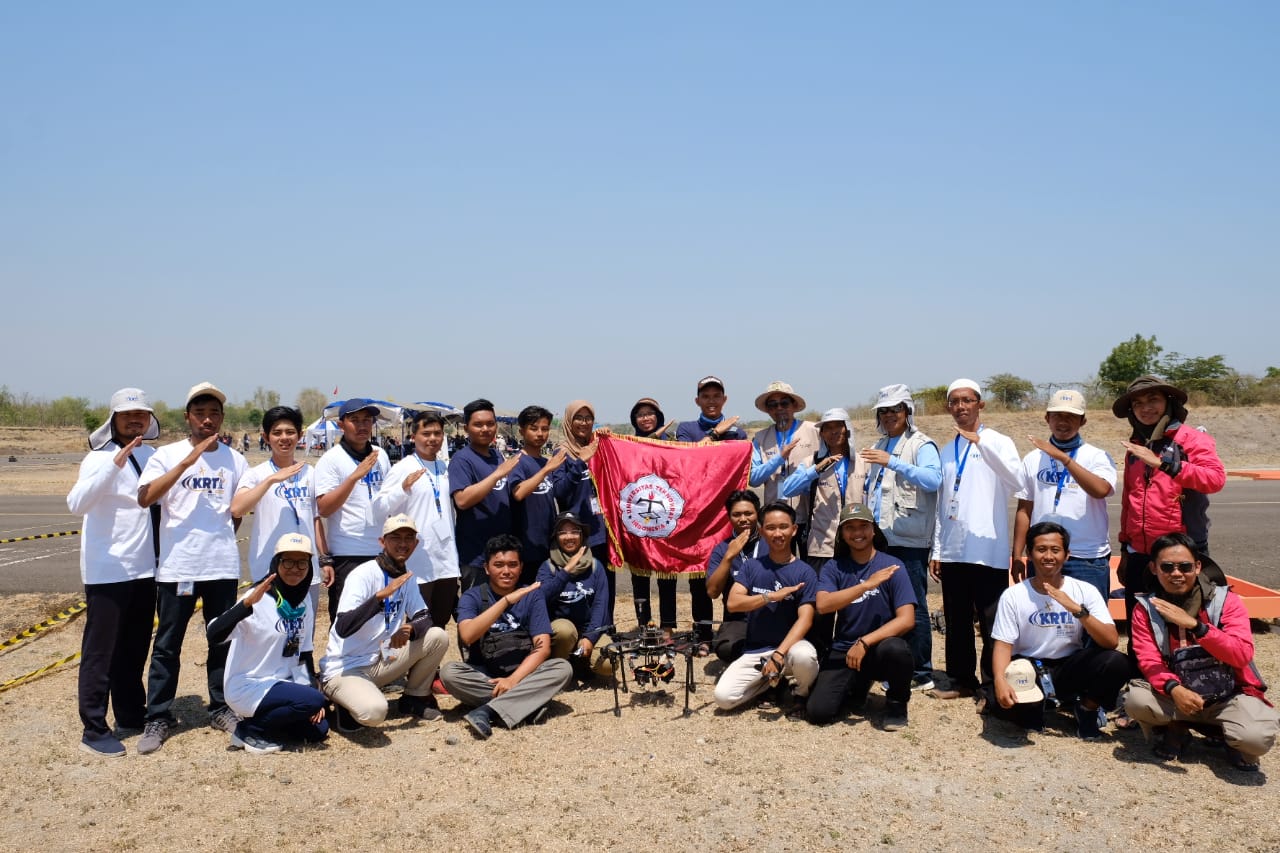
[335, 390]
[663, 503]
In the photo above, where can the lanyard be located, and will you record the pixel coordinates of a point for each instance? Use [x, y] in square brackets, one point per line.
[955, 449]
[435, 486]
[297, 520]
[868, 488]
[842, 478]
[1062, 477]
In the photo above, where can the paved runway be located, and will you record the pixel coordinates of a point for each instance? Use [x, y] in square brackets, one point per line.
[1244, 514]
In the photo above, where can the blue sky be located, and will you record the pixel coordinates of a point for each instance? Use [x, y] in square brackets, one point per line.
[539, 202]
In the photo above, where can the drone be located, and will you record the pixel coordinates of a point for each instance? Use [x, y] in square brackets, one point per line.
[650, 655]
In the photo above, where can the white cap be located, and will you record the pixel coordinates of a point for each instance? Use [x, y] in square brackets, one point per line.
[125, 400]
[1071, 402]
[964, 383]
[206, 388]
[833, 415]
[1021, 675]
[890, 396]
[294, 543]
[398, 522]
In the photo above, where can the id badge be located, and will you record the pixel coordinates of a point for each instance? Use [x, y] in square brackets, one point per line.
[186, 587]
[595, 505]
[390, 655]
[953, 509]
[291, 647]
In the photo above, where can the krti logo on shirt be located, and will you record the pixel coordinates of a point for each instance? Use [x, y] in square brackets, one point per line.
[286, 492]
[777, 585]
[504, 623]
[209, 484]
[575, 593]
[500, 485]
[1050, 619]
[544, 488]
[1050, 476]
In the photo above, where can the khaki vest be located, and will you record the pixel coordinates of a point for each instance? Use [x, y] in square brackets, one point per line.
[766, 440]
[907, 513]
[827, 503]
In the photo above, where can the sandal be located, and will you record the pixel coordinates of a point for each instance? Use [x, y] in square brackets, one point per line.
[1170, 744]
[1240, 762]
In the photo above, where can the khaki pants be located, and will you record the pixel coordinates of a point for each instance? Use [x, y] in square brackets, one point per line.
[564, 639]
[360, 690]
[741, 681]
[1248, 724]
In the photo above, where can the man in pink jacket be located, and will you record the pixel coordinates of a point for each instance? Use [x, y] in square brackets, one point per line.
[1195, 651]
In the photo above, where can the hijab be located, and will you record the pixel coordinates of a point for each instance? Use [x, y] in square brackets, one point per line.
[571, 445]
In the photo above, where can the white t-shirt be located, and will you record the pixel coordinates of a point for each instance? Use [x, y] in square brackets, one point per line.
[351, 530]
[115, 542]
[1038, 627]
[973, 520]
[288, 507]
[256, 661]
[429, 504]
[1085, 518]
[197, 538]
[364, 647]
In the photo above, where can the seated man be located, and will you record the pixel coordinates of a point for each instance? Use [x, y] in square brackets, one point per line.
[506, 637]
[1047, 619]
[726, 560]
[269, 675]
[777, 594]
[1195, 650]
[383, 631]
[875, 606]
[576, 591]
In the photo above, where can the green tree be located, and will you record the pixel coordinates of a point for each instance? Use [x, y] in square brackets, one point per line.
[312, 402]
[1013, 391]
[1129, 360]
[264, 399]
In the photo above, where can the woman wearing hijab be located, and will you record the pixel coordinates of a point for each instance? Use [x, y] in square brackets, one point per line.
[574, 585]
[269, 673]
[574, 490]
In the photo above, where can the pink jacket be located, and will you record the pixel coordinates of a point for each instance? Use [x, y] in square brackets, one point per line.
[1232, 644]
[1152, 502]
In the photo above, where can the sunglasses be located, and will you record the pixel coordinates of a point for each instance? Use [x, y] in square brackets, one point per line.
[892, 410]
[1184, 567]
[784, 403]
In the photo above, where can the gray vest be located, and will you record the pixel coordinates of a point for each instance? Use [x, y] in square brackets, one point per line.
[907, 512]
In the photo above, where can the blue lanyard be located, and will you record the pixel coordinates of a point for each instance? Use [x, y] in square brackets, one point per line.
[867, 487]
[297, 520]
[1062, 476]
[435, 487]
[842, 477]
[784, 442]
[955, 449]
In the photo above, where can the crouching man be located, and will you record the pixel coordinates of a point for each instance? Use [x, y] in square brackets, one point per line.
[777, 593]
[1195, 650]
[509, 672]
[1047, 620]
[383, 631]
[875, 606]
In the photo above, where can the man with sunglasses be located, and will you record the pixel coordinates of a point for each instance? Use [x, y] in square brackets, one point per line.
[774, 448]
[901, 487]
[980, 472]
[1195, 650]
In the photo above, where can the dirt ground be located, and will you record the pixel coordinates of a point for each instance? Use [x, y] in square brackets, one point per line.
[650, 779]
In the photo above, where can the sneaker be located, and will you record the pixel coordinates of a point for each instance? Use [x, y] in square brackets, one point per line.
[421, 707]
[253, 744]
[895, 716]
[224, 720]
[154, 734]
[952, 693]
[107, 746]
[344, 722]
[478, 720]
[438, 688]
[921, 683]
[1087, 723]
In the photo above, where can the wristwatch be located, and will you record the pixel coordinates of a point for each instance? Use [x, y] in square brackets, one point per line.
[1169, 685]
[1081, 613]
[1200, 630]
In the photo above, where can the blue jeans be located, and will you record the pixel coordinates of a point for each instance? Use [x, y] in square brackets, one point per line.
[286, 712]
[1095, 571]
[916, 562]
[174, 612]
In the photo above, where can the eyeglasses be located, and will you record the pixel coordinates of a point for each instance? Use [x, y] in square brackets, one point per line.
[1184, 567]
[784, 403]
[892, 410]
[290, 563]
[967, 401]
[583, 419]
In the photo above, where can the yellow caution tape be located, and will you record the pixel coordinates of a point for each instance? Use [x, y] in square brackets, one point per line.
[40, 627]
[33, 537]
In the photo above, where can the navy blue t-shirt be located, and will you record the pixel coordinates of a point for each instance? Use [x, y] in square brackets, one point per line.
[768, 626]
[874, 608]
[753, 549]
[529, 613]
[582, 599]
[487, 519]
[532, 517]
[693, 431]
[577, 494]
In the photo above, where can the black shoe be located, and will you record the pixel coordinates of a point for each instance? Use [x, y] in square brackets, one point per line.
[478, 720]
[421, 707]
[895, 716]
[344, 722]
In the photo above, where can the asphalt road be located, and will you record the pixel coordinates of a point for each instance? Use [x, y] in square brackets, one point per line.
[1244, 514]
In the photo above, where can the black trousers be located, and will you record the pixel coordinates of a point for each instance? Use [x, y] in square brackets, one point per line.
[342, 566]
[888, 660]
[730, 640]
[1090, 673]
[699, 601]
[174, 612]
[969, 589]
[113, 654]
[441, 598]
